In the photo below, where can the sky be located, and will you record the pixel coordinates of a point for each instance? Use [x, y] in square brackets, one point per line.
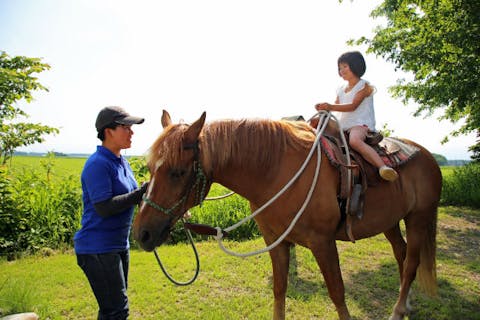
[232, 59]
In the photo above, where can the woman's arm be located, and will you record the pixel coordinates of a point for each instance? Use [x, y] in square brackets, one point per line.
[121, 202]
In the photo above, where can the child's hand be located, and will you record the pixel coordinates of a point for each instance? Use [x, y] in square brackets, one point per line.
[322, 106]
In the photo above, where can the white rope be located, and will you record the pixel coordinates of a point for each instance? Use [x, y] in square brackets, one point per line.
[220, 197]
[324, 119]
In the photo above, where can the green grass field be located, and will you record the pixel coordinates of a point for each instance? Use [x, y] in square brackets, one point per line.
[61, 165]
[233, 288]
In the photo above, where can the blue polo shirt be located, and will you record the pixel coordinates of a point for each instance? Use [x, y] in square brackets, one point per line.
[104, 176]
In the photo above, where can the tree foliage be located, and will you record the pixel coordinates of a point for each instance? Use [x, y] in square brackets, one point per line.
[17, 83]
[441, 160]
[438, 42]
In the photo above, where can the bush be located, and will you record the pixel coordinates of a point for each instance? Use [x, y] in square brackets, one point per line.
[462, 187]
[221, 213]
[38, 210]
[10, 218]
[225, 213]
[52, 209]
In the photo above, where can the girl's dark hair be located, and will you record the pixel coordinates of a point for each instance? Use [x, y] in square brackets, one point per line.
[355, 61]
[101, 133]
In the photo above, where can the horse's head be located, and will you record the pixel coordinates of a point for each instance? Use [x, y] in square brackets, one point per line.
[177, 181]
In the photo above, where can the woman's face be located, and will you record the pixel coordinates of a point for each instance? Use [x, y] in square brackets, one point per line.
[122, 136]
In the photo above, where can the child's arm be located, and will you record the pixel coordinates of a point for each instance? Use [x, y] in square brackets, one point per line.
[347, 107]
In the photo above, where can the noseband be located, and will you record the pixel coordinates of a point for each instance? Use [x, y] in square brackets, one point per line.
[197, 180]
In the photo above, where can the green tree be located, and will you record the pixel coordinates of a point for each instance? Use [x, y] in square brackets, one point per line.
[476, 149]
[17, 82]
[438, 42]
[441, 160]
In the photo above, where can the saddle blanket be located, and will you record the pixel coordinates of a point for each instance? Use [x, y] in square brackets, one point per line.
[393, 151]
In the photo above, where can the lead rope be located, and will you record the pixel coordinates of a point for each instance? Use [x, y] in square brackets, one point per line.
[323, 121]
[220, 197]
[197, 268]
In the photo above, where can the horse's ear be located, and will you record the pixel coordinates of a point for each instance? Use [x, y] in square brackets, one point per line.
[192, 133]
[166, 120]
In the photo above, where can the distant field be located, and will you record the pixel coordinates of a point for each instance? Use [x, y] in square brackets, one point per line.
[447, 171]
[61, 165]
[73, 166]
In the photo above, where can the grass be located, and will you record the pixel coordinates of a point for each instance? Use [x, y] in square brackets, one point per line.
[447, 171]
[63, 166]
[233, 288]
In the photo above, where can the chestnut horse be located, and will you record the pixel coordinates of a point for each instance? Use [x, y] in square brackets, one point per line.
[256, 158]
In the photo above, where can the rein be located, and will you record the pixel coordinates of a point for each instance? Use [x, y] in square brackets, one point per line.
[197, 260]
[198, 180]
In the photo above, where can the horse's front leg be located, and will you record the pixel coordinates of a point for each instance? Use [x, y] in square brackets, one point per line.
[326, 254]
[280, 257]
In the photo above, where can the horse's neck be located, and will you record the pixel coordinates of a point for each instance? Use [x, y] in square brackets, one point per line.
[241, 182]
[236, 163]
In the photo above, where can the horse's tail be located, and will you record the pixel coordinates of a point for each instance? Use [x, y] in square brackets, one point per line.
[427, 271]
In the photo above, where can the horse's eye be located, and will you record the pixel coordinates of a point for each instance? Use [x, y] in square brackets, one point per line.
[177, 173]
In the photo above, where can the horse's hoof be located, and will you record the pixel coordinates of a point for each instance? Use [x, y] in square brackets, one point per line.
[396, 315]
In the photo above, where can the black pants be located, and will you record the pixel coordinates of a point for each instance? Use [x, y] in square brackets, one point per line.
[108, 277]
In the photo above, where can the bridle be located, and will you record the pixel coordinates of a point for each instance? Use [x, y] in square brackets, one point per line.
[198, 181]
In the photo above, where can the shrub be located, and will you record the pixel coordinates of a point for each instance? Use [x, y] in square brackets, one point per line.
[221, 213]
[462, 187]
[52, 210]
[11, 221]
[38, 210]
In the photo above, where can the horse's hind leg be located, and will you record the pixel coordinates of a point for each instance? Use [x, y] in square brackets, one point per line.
[280, 256]
[399, 246]
[418, 235]
[326, 255]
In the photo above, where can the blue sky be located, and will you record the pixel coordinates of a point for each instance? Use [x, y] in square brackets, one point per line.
[232, 59]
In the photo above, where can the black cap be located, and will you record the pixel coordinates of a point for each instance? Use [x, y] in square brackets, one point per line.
[111, 115]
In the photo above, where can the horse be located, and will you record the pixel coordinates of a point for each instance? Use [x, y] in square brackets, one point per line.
[256, 158]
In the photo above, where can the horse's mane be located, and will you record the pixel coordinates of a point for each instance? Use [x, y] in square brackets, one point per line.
[248, 143]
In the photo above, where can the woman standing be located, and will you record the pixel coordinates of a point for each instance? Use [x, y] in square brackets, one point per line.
[110, 193]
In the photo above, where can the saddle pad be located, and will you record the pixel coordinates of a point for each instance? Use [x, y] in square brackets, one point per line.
[394, 152]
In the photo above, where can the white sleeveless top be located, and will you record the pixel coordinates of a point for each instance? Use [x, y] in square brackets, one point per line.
[363, 115]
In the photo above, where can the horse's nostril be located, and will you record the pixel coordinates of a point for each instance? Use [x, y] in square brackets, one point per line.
[145, 236]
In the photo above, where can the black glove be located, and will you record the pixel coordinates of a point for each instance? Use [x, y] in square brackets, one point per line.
[121, 202]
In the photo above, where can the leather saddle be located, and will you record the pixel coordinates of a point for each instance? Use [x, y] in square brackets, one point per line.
[360, 174]
[351, 194]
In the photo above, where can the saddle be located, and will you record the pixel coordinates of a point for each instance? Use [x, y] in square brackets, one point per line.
[393, 151]
[351, 194]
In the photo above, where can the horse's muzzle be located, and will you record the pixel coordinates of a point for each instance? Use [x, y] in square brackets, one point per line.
[150, 239]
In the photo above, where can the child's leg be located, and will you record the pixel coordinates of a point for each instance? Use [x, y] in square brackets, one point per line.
[357, 142]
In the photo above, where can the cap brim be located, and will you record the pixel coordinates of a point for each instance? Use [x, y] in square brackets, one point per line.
[129, 120]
